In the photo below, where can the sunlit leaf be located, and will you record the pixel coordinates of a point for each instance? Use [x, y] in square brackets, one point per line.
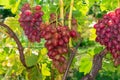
[85, 64]
[5, 3]
[45, 70]
[44, 51]
[12, 4]
[92, 34]
[14, 7]
[13, 23]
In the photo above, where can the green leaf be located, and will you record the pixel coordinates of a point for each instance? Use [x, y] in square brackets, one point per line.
[37, 1]
[85, 64]
[77, 13]
[6, 49]
[34, 74]
[108, 66]
[12, 2]
[112, 4]
[31, 60]
[98, 49]
[13, 23]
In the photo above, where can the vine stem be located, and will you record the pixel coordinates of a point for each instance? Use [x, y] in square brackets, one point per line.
[97, 65]
[61, 11]
[73, 52]
[20, 47]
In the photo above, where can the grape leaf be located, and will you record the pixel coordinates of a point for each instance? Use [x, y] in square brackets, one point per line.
[31, 60]
[12, 4]
[5, 3]
[45, 70]
[44, 51]
[14, 7]
[98, 49]
[92, 34]
[34, 74]
[85, 64]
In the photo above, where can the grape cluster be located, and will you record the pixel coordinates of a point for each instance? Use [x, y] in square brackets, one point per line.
[56, 36]
[30, 20]
[57, 39]
[108, 33]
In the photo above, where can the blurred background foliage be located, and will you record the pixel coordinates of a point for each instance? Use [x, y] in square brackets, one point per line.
[87, 12]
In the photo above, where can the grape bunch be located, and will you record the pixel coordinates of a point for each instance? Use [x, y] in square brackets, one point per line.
[56, 36]
[30, 20]
[108, 33]
[57, 39]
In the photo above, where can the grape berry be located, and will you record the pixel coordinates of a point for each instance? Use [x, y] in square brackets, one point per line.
[108, 33]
